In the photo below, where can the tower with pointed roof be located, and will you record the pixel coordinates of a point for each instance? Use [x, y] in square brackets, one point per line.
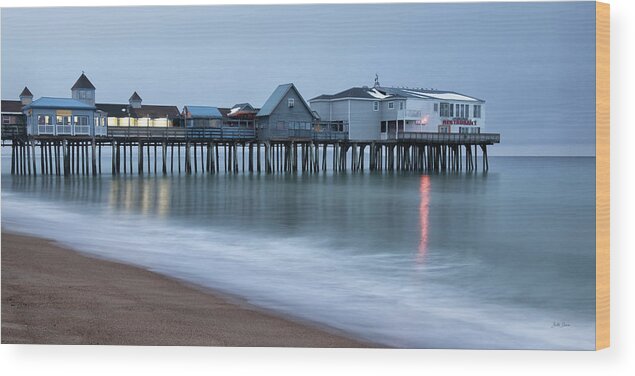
[135, 100]
[26, 97]
[83, 90]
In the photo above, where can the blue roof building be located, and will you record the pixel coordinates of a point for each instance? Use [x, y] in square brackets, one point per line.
[67, 103]
[202, 116]
[75, 116]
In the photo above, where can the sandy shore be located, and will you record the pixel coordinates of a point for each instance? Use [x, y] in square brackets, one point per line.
[57, 296]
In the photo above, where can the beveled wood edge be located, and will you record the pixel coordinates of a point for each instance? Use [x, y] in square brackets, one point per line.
[602, 177]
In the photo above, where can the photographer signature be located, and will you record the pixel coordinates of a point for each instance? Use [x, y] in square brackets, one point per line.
[560, 324]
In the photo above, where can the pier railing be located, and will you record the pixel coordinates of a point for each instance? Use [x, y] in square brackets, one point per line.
[181, 133]
[450, 138]
[302, 134]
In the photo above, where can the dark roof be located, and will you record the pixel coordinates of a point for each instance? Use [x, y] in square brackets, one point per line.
[224, 111]
[114, 110]
[11, 106]
[155, 112]
[83, 83]
[26, 92]
[429, 94]
[135, 97]
[394, 92]
[242, 115]
[244, 106]
[357, 92]
[151, 111]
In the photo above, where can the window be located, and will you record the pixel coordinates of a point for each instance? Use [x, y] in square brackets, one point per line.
[477, 110]
[383, 127]
[63, 120]
[375, 106]
[467, 110]
[81, 120]
[6, 120]
[290, 102]
[461, 114]
[446, 109]
[452, 110]
[44, 120]
[401, 105]
[470, 130]
[391, 105]
[436, 107]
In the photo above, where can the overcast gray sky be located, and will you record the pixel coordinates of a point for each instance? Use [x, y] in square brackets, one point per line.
[533, 63]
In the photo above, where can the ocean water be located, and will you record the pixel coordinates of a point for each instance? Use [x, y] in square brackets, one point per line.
[504, 259]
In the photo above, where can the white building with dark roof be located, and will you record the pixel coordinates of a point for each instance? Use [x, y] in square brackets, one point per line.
[381, 113]
[136, 114]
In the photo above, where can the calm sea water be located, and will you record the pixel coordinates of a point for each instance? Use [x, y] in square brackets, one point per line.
[498, 260]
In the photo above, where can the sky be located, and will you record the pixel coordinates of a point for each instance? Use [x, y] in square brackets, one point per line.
[533, 63]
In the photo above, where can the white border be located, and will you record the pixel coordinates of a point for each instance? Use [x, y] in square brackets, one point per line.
[618, 360]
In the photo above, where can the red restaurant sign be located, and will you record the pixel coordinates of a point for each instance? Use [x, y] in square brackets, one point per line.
[459, 122]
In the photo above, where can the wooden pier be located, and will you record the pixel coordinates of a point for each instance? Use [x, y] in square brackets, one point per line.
[232, 150]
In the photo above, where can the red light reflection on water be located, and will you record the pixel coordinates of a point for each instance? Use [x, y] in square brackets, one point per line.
[424, 204]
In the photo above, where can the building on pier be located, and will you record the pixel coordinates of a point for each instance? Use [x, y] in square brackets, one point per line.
[136, 114]
[242, 115]
[285, 115]
[75, 116]
[202, 117]
[12, 114]
[64, 116]
[382, 113]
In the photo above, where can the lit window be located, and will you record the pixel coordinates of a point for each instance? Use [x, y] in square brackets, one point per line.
[48, 119]
[391, 105]
[290, 102]
[375, 106]
[63, 120]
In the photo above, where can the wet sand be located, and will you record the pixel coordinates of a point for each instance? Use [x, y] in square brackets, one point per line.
[54, 295]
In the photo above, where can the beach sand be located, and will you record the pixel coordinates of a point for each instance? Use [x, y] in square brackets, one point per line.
[54, 295]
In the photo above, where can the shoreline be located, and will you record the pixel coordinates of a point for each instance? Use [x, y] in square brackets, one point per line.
[52, 294]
